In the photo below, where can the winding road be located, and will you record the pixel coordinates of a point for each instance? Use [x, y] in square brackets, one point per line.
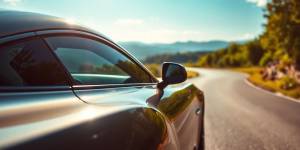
[239, 116]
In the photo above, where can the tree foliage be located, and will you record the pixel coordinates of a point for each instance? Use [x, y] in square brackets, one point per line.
[279, 42]
[235, 55]
[177, 57]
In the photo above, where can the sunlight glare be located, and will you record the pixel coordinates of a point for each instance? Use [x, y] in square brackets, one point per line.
[70, 21]
[89, 113]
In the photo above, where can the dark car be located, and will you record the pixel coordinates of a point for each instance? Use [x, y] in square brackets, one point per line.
[64, 86]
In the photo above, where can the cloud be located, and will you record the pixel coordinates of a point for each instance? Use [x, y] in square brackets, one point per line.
[153, 30]
[158, 35]
[259, 3]
[12, 2]
[128, 22]
[246, 36]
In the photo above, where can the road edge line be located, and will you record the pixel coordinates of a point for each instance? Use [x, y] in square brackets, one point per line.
[272, 93]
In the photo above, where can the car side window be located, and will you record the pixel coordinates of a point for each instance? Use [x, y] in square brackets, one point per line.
[91, 62]
[29, 63]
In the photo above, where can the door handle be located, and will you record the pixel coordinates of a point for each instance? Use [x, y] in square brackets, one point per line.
[198, 111]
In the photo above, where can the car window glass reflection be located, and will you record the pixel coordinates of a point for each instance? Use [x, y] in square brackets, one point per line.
[92, 63]
[29, 63]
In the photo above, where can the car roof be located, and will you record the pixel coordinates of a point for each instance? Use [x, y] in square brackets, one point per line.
[16, 22]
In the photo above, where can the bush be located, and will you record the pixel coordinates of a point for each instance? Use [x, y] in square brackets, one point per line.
[265, 59]
[287, 83]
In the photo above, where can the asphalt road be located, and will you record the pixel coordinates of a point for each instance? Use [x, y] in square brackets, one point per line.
[241, 117]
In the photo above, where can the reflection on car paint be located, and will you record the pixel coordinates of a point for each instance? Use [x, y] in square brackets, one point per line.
[172, 104]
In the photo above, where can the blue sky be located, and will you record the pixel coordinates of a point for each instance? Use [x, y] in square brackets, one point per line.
[161, 21]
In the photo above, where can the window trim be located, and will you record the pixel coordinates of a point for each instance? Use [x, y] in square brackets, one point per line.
[102, 40]
[104, 86]
[34, 88]
[18, 37]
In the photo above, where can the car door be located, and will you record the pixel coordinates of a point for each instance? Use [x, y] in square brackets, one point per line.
[141, 116]
[35, 95]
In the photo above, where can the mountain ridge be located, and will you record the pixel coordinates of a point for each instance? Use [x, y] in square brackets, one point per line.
[142, 50]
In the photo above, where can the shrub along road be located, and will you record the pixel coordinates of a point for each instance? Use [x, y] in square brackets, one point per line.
[239, 116]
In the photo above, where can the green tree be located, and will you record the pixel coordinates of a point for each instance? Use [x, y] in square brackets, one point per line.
[255, 51]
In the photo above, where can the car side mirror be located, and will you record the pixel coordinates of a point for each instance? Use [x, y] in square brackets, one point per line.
[172, 73]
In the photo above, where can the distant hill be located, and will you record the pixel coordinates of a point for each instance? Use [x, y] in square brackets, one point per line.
[143, 50]
[183, 57]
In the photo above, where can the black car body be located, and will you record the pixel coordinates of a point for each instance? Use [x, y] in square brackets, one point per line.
[64, 86]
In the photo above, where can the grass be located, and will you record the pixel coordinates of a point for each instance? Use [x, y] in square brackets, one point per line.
[285, 85]
[192, 74]
[250, 71]
[156, 70]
